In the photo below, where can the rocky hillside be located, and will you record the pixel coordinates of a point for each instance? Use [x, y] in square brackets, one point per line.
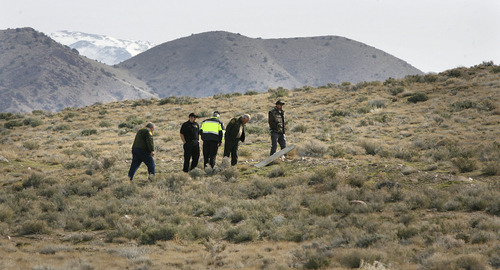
[222, 62]
[37, 73]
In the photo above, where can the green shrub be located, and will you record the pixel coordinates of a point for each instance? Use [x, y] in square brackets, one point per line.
[33, 122]
[31, 145]
[157, 233]
[124, 190]
[354, 258]
[339, 113]
[302, 128]
[34, 180]
[32, 227]
[278, 93]
[131, 122]
[88, 132]
[463, 105]
[13, 123]
[251, 93]
[418, 97]
[396, 90]
[240, 234]
[464, 164]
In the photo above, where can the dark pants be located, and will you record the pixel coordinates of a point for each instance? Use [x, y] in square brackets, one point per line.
[191, 151]
[231, 148]
[210, 152]
[139, 156]
[275, 139]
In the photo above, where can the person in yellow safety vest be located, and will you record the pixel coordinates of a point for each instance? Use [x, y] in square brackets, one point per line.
[212, 132]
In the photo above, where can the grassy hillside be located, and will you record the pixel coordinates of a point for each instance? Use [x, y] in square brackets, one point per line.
[400, 174]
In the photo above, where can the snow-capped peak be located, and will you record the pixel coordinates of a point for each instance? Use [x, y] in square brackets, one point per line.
[106, 49]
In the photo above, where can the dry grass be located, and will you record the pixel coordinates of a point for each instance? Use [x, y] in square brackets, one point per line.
[401, 174]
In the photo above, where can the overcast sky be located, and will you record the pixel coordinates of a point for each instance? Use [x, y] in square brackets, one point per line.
[432, 35]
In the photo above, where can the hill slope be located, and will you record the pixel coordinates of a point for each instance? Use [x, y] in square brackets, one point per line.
[37, 73]
[402, 172]
[222, 62]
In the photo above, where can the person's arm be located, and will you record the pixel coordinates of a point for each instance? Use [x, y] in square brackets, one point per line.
[183, 139]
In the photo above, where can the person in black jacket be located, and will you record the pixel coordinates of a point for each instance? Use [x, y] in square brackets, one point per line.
[143, 151]
[235, 132]
[190, 135]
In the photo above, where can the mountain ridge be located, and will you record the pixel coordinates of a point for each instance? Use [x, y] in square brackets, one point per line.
[224, 62]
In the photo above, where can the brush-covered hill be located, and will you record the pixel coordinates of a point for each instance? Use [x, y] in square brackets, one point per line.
[37, 73]
[399, 174]
[221, 62]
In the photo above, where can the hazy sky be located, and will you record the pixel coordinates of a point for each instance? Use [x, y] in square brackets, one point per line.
[432, 35]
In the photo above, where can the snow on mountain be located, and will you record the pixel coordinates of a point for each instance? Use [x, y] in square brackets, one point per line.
[102, 48]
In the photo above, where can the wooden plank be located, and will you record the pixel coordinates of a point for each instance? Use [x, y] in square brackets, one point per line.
[274, 156]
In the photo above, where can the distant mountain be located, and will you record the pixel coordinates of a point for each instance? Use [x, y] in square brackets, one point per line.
[38, 73]
[222, 62]
[102, 48]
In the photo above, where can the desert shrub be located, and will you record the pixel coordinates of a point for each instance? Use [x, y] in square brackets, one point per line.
[6, 213]
[34, 180]
[256, 130]
[302, 128]
[32, 227]
[313, 148]
[316, 261]
[6, 115]
[463, 105]
[176, 100]
[31, 145]
[241, 233]
[418, 97]
[62, 127]
[257, 188]
[88, 132]
[454, 73]
[142, 102]
[379, 103]
[472, 262]
[481, 237]
[33, 122]
[278, 92]
[251, 93]
[367, 240]
[406, 232]
[340, 113]
[357, 178]
[336, 151]
[131, 122]
[324, 175]
[105, 123]
[464, 164]
[404, 153]
[175, 181]
[277, 172]
[13, 123]
[396, 90]
[124, 190]
[230, 174]
[491, 168]
[355, 257]
[371, 147]
[157, 233]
